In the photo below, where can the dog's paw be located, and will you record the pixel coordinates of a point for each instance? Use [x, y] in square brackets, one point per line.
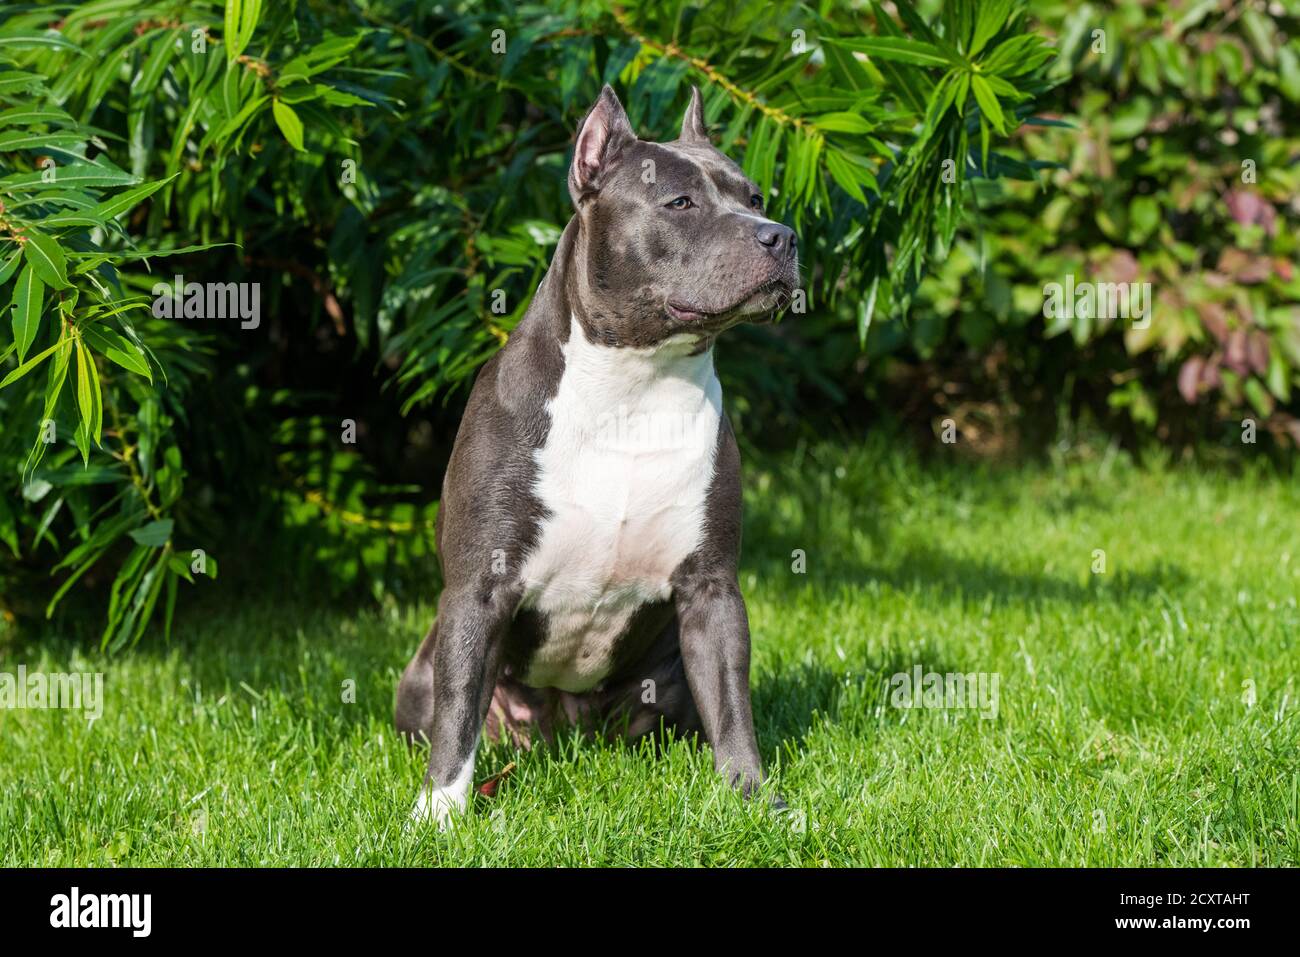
[438, 806]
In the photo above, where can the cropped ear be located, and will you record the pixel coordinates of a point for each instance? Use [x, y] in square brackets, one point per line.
[604, 131]
[693, 128]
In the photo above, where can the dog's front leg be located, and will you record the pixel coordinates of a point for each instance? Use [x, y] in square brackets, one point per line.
[713, 629]
[467, 652]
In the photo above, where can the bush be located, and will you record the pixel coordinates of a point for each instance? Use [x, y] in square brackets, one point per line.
[1180, 167]
[369, 196]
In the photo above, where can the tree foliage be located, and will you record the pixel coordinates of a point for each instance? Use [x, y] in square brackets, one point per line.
[391, 177]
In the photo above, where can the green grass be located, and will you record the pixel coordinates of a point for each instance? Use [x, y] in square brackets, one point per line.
[1122, 735]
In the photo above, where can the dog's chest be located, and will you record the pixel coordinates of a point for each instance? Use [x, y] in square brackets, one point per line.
[624, 476]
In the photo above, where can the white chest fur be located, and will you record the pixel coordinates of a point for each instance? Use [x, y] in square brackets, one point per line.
[623, 475]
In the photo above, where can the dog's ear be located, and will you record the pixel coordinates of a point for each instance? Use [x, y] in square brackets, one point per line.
[603, 132]
[693, 128]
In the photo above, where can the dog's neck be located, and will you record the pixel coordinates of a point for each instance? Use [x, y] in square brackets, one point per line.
[562, 296]
[679, 356]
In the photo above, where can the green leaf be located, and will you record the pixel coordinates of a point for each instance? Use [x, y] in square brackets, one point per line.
[1258, 397]
[124, 586]
[1129, 119]
[46, 257]
[992, 15]
[1144, 218]
[169, 608]
[230, 28]
[988, 102]
[961, 90]
[117, 348]
[843, 123]
[155, 534]
[1259, 28]
[57, 375]
[1018, 55]
[29, 297]
[329, 52]
[89, 398]
[75, 175]
[10, 262]
[28, 366]
[249, 16]
[120, 203]
[1003, 88]
[240, 21]
[1279, 382]
[1046, 122]
[289, 124]
[97, 401]
[179, 567]
[228, 129]
[145, 599]
[71, 219]
[96, 258]
[11, 81]
[898, 49]
[1288, 70]
[104, 535]
[29, 115]
[230, 89]
[867, 310]
[843, 172]
[16, 140]
[848, 71]
[35, 41]
[164, 48]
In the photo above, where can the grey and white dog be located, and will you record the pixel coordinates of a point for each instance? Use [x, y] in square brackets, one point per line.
[589, 528]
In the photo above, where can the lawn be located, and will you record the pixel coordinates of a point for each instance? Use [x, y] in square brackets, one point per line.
[1146, 714]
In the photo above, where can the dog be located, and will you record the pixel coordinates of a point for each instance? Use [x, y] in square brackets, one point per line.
[589, 528]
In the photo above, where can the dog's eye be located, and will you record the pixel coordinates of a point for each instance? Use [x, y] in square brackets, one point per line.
[681, 202]
[756, 202]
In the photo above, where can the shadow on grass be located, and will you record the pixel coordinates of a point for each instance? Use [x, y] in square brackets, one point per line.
[839, 534]
[967, 580]
[792, 698]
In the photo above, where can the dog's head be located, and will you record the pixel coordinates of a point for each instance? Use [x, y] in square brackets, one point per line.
[674, 237]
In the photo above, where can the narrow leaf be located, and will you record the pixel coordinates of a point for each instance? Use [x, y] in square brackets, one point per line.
[29, 297]
[988, 101]
[898, 49]
[124, 201]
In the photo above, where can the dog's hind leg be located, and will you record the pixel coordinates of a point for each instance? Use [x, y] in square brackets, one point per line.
[413, 715]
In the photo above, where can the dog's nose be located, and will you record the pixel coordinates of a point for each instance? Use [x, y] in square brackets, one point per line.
[779, 240]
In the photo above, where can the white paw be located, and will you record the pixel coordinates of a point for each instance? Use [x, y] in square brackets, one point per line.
[438, 805]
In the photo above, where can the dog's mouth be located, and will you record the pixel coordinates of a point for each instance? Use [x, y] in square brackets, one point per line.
[685, 313]
[776, 288]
